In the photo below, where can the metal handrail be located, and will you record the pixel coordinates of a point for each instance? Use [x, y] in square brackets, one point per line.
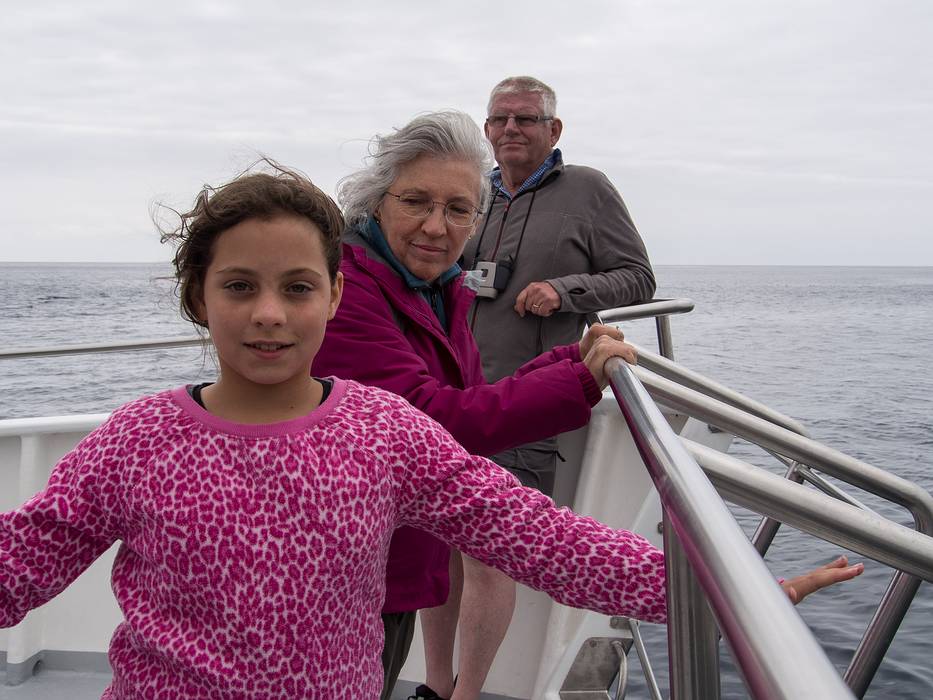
[645, 309]
[660, 309]
[88, 348]
[768, 527]
[655, 307]
[798, 473]
[735, 580]
[82, 422]
[792, 445]
[698, 382]
[820, 515]
[903, 587]
[664, 366]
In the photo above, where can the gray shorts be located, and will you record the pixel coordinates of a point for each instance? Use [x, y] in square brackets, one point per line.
[534, 465]
[399, 629]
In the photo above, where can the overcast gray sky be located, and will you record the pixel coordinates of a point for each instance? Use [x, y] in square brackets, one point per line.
[793, 132]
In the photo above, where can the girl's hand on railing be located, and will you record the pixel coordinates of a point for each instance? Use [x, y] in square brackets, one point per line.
[600, 348]
[830, 574]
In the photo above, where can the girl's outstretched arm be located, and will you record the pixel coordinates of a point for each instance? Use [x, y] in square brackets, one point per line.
[481, 509]
[48, 541]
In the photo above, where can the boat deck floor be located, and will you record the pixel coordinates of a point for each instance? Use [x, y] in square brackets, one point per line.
[58, 685]
[72, 685]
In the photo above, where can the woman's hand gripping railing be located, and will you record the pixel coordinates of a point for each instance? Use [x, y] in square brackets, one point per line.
[707, 553]
[900, 592]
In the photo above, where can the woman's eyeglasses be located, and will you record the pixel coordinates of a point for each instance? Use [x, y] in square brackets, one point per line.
[457, 213]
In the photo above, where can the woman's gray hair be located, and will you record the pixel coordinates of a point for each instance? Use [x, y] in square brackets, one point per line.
[449, 134]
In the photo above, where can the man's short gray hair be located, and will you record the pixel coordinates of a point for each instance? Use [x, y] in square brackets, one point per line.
[525, 83]
[449, 134]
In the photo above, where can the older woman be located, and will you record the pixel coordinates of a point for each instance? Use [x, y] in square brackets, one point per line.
[402, 325]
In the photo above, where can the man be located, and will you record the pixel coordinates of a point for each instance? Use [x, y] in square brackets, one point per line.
[563, 244]
[558, 243]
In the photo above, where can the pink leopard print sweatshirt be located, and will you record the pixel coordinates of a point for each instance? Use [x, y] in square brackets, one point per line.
[253, 557]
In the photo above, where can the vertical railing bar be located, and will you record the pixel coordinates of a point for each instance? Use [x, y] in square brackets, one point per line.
[692, 634]
[831, 489]
[665, 342]
[817, 480]
[799, 473]
[880, 632]
[650, 680]
[768, 527]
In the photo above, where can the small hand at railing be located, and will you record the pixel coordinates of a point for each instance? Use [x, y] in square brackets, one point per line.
[598, 345]
[829, 574]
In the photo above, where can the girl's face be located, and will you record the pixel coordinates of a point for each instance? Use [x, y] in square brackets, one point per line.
[266, 299]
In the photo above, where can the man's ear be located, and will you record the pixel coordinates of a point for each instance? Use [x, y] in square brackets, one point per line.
[557, 127]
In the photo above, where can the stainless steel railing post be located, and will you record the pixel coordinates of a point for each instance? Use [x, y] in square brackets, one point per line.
[665, 341]
[692, 634]
[768, 527]
[880, 632]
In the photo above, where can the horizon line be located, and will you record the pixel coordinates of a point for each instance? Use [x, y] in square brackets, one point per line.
[59, 263]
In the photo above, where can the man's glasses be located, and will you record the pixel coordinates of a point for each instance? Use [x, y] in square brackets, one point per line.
[419, 207]
[498, 121]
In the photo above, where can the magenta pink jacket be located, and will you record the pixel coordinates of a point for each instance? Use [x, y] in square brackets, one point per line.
[385, 334]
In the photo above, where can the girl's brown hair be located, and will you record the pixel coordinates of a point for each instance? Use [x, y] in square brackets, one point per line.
[250, 195]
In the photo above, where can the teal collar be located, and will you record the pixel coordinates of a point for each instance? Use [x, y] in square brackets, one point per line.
[372, 232]
[433, 293]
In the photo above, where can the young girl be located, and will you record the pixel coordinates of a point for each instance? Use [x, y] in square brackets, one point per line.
[255, 513]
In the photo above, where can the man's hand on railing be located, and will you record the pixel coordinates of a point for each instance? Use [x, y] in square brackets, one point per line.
[598, 345]
[829, 574]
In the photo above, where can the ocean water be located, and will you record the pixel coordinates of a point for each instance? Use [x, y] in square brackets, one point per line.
[844, 350]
